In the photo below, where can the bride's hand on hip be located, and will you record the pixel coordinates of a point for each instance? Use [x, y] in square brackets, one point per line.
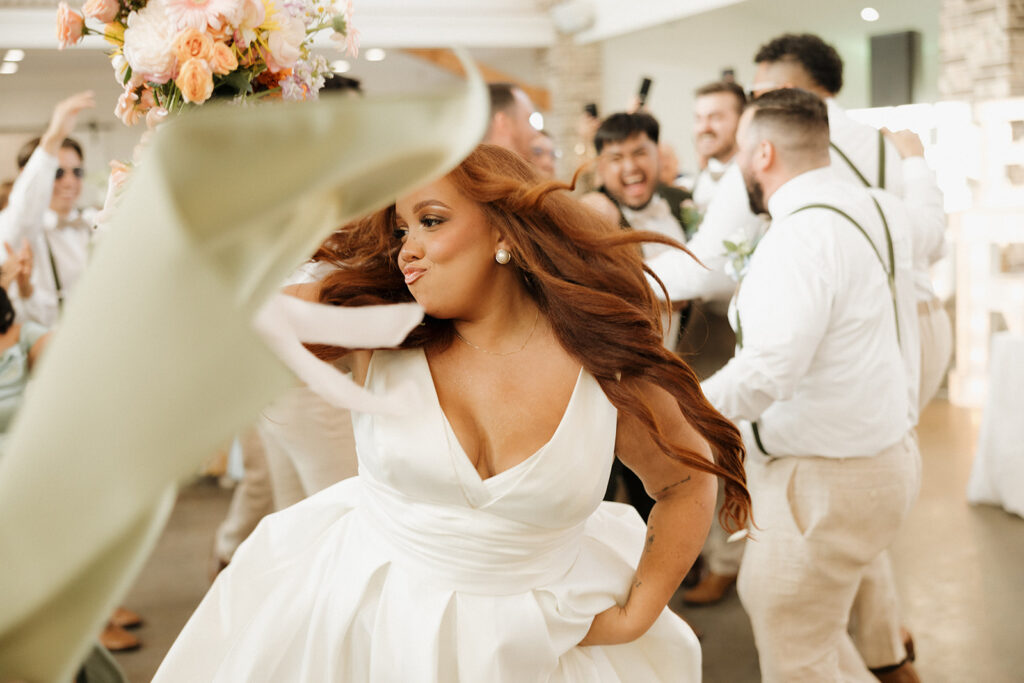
[613, 626]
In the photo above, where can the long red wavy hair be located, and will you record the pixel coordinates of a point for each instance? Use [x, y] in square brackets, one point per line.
[586, 275]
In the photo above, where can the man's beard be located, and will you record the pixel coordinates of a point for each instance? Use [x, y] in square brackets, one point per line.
[755, 195]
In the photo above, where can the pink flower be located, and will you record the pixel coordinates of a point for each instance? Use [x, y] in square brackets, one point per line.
[127, 108]
[155, 117]
[149, 43]
[283, 45]
[352, 34]
[119, 174]
[349, 37]
[103, 11]
[70, 26]
[199, 14]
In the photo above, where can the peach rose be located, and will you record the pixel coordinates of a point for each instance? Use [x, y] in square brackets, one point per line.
[101, 10]
[192, 44]
[70, 26]
[195, 80]
[223, 60]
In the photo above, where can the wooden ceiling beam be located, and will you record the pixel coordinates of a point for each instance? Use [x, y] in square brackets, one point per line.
[446, 60]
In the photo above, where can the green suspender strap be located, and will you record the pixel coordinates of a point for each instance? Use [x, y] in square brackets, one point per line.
[856, 171]
[890, 273]
[56, 276]
[739, 343]
[881, 162]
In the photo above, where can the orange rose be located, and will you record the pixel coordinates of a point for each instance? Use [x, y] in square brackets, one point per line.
[223, 60]
[70, 26]
[192, 44]
[195, 81]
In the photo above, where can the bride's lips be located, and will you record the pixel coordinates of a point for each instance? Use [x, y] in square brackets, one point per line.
[413, 274]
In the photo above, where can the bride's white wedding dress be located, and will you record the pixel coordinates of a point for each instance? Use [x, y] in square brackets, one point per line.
[419, 571]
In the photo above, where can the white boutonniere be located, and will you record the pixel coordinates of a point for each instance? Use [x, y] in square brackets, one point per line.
[739, 254]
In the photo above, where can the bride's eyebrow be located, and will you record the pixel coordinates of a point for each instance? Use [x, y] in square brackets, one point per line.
[429, 202]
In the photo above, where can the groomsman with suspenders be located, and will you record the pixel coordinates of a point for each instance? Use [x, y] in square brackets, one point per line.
[824, 385]
[894, 162]
[42, 212]
[871, 158]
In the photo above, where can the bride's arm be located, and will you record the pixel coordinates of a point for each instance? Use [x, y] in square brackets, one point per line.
[678, 523]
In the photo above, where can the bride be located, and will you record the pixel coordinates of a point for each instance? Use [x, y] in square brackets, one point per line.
[473, 545]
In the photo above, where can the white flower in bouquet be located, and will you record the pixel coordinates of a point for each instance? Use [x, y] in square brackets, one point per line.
[149, 43]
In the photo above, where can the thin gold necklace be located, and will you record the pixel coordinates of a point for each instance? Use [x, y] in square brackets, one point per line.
[496, 353]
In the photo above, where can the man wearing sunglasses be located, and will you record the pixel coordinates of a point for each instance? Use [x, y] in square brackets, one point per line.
[42, 211]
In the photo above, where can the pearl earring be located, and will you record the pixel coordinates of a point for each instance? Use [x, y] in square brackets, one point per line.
[503, 256]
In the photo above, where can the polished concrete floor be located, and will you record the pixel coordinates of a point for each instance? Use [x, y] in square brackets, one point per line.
[960, 571]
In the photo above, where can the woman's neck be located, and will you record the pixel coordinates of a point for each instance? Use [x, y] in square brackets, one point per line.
[501, 328]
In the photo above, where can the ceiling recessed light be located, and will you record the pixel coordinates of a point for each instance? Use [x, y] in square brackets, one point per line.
[14, 55]
[8, 68]
[537, 120]
[340, 66]
[375, 54]
[869, 14]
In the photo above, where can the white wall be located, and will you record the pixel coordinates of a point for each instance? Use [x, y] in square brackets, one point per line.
[683, 55]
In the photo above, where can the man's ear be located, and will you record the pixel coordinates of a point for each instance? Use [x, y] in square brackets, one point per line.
[766, 155]
[499, 124]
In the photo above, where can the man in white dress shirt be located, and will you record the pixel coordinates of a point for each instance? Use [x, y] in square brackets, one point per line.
[865, 157]
[717, 111]
[825, 384]
[42, 210]
[716, 114]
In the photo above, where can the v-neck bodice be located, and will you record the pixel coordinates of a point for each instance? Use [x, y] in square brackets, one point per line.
[461, 450]
[419, 455]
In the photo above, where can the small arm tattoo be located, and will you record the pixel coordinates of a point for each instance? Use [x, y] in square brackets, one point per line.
[681, 481]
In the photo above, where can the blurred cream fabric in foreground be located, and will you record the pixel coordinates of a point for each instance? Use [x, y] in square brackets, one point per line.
[157, 361]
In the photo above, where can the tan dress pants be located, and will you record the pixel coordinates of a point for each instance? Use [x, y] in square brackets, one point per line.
[824, 524]
[936, 347]
[251, 501]
[309, 445]
[300, 445]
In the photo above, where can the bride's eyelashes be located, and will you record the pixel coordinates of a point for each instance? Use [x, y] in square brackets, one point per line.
[402, 231]
[431, 221]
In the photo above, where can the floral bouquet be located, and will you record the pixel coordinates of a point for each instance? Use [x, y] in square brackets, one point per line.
[173, 54]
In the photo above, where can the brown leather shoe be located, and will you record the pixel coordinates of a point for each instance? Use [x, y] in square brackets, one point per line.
[125, 618]
[901, 673]
[116, 639]
[710, 590]
[908, 644]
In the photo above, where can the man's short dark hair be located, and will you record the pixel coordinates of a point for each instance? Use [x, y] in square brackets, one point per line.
[819, 59]
[622, 126]
[503, 96]
[29, 147]
[801, 114]
[725, 87]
